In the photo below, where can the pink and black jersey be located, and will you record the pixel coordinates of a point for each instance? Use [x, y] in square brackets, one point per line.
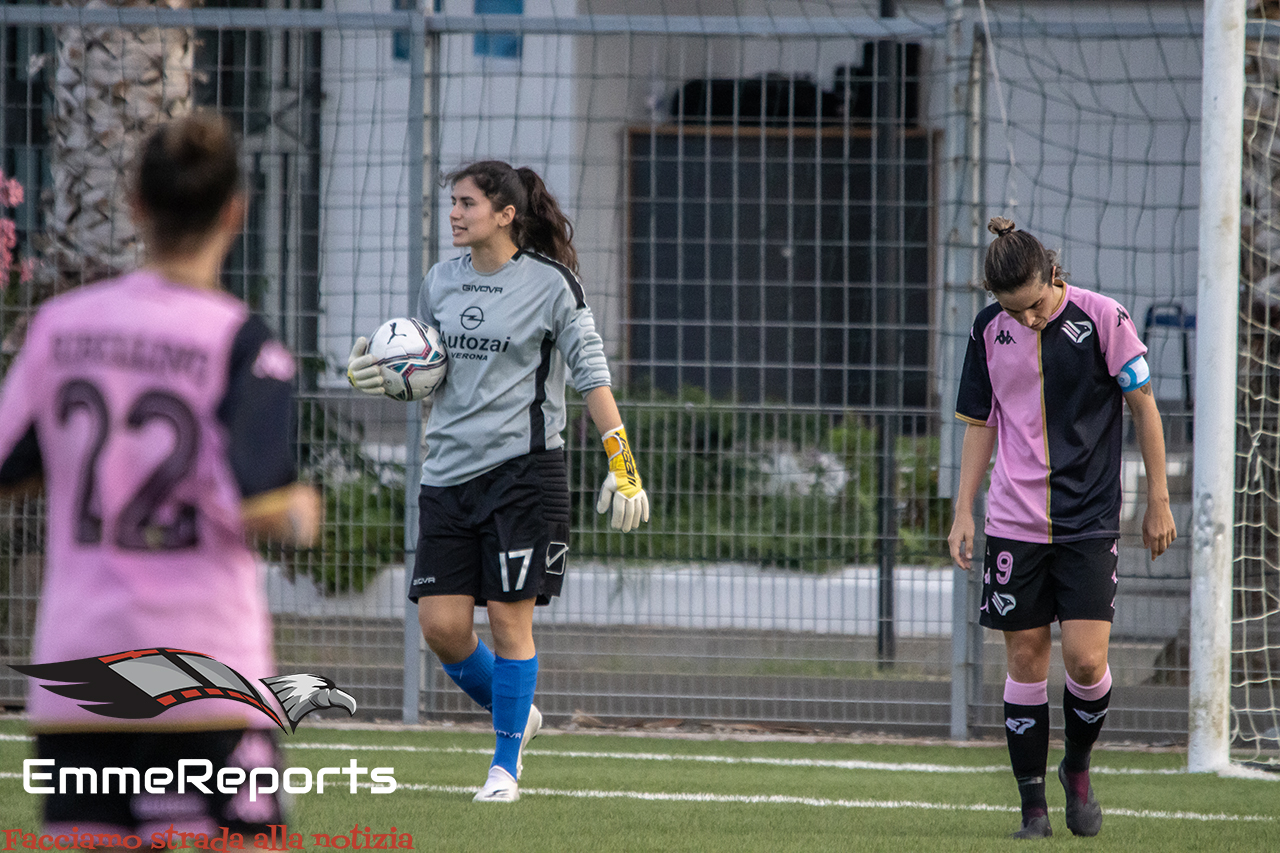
[1057, 406]
[150, 410]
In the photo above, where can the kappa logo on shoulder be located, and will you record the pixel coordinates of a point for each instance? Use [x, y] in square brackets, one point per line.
[1003, 602]
[1122, 315]
[1004, 337]
[1078, 332]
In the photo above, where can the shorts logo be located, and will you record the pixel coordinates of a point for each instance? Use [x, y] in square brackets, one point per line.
[1090, 718]
[557, 554]
[1018, 725]
[1003, 603]
[1078, 331]
[426, 580]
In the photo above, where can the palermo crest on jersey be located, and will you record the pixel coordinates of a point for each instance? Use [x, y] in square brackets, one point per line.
[1078, 330]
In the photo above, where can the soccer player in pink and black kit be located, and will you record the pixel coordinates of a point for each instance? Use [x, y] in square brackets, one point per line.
[157, 412]
[1047, 373]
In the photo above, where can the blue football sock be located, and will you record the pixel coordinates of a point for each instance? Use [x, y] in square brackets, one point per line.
[475, 675]
[513, 684]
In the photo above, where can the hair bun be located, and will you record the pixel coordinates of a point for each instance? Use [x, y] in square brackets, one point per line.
[1000, 226]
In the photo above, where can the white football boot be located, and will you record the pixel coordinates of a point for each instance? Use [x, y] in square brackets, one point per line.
[531, 729]
[498, 788]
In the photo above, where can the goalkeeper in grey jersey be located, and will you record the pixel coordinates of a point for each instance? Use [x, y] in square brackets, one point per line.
[494, 502]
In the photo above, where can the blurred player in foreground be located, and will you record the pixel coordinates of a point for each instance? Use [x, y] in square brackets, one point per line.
[157, 412]
[494, 505]
[1048, 371]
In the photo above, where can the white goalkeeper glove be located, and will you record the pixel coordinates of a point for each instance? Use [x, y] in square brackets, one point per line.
[622, 492]
[362, 373]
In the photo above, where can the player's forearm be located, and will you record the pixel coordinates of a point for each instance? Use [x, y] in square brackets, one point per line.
[603, 409]
[1150, 433]
[292, 514]
[975, 456]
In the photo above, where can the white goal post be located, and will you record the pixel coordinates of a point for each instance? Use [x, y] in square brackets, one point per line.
[1221, 141]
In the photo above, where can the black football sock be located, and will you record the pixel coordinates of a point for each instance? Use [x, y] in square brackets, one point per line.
[1085, 710]
[1026, 724]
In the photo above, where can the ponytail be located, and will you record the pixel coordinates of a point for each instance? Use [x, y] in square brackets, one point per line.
[540, 225]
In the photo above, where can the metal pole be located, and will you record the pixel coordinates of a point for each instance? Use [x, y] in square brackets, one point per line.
[953, 321]
[888, 274]
[977, 230]
[416, 141]
[1217, 320]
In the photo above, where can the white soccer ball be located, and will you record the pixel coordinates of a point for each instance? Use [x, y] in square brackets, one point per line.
[411, 357]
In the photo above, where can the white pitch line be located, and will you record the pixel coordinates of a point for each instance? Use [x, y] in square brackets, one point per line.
[878, 766]
[779, 799]
[817, 802]
[882, 766]
[661, 756]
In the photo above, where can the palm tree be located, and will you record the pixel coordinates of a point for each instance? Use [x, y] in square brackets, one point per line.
[110, 86]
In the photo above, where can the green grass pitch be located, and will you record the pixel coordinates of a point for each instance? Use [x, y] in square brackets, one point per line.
[613, 792]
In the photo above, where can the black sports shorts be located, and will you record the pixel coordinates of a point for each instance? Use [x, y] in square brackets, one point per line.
[144, 812]
[1028, 585]
[502, 536]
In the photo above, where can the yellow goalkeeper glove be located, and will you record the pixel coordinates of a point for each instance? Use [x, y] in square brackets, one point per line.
[362, 372]
[622, 492]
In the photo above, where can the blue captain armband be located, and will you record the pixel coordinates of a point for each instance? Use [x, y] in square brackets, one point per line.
[1134, 375]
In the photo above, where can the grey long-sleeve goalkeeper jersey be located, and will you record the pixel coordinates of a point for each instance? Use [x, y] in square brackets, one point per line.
[512, 336]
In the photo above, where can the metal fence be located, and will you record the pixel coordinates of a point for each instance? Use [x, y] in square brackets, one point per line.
[778, 214]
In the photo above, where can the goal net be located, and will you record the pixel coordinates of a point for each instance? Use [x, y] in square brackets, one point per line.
[1255, 671]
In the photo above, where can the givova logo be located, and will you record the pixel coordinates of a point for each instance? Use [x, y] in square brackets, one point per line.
[144, 683]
